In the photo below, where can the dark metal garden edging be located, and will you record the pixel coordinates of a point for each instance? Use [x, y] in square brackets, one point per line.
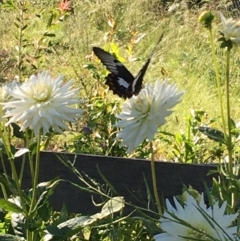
[127, 176]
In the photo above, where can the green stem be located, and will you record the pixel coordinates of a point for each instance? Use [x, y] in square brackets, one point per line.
[154, 181]
[31, 235]
[30, 157]
[36, 174]
[22, 169]
[4, 192]
[4, 167]
[229, 143]
[218, 84]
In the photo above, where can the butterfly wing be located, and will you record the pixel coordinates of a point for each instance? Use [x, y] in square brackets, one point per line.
[136, 85]
[120, 78]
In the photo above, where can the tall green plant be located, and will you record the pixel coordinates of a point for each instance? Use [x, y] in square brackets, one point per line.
[34, 47]
[225, 188]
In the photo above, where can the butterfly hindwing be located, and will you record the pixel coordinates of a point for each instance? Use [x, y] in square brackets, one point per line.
[119, 86]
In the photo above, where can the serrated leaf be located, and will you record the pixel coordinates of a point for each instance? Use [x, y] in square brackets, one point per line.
[21, 152]
[212, 134]
[9, 206]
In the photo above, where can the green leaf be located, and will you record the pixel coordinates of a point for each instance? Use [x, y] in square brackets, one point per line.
[24, 27]
[9, 206]
[89, 66]
[116, 52]
[49, 23]
[74, 223]
[21, 152]
[8, 183]
[114, 205]
[151, 226]
[49, 34]
[18, 223]
[212, 134]
[10, 4]
[1, 144]
[46, 189]
[16, 131]
[67, 229]
[33, 148]
[63, 216]
[9, 237]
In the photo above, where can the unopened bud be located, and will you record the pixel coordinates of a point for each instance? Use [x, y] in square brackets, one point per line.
[206, 19]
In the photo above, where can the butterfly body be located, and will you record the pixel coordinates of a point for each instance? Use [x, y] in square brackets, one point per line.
[120, 80]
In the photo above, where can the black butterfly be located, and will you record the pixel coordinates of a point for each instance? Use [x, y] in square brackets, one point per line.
[120, 80]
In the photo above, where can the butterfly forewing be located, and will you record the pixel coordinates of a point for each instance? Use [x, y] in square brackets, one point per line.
[120, 80]
[137, 83]
[113, 64]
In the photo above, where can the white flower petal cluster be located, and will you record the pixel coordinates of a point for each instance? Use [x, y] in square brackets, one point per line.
[141, 115]
[203, 228]
[43, 102]
[231, 30]
[5, 94]
[7, 89]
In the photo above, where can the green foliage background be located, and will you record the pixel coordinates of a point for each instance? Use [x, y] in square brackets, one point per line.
[61, 42]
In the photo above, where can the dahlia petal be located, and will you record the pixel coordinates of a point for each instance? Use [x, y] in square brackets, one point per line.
[192, 214]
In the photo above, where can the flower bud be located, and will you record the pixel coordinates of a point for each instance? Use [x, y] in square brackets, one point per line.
[206, 19]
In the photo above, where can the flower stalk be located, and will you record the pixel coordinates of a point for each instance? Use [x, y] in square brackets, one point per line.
[230, 39]
[228, 109]
[36, 174]
[218, 79]
[154, 180]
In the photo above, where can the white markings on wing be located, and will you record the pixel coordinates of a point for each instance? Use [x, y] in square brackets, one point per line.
[123, 82]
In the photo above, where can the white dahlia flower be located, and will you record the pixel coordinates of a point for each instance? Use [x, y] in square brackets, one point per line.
[141, 115]
[43, 102]
[231, 30]
[194, 221]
